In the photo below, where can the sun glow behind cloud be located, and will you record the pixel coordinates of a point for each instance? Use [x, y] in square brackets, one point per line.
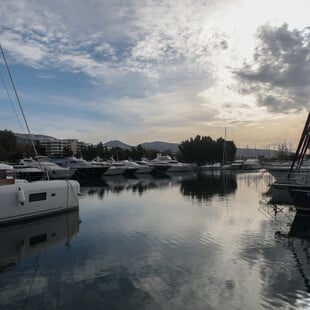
[162, 70]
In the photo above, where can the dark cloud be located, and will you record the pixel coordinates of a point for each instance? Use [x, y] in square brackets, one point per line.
[279, 75]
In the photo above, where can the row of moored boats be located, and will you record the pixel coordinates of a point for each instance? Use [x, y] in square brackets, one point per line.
[77, 168]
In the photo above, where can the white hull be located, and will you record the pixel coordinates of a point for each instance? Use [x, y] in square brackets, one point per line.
[180, 167]
[280, 176]
[51, 169]
[61, 174]
[144, 169]
[114, 170]
[22, 200]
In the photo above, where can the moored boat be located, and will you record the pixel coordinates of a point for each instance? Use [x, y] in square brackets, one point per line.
[164, 163]
[83, 169]
[298, 181]
[237, 164]
[52, 170]
[22, 200]
[251, 164]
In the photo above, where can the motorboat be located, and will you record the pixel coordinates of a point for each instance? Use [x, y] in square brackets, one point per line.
[139, 168]
[251, 164]
[52, 170]
[28, 173]
[160, 163]
[237, 164]
[114, 168]
[119, 168]
[82, 168]
[22, 200]
[210, 167]
[164, 163]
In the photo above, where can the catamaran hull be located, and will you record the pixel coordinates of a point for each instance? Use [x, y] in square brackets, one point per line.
[301, 198]
[23, 201]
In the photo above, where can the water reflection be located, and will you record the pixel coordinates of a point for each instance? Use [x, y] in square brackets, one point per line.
[31, 238]
[300, 227]
[204, 186]
[161, 250]
[278, 196]
[139, 184]
[199, 187]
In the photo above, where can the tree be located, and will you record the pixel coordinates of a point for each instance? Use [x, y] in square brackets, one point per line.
[203, 149]
[7, 145]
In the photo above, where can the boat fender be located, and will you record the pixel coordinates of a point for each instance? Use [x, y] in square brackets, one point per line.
[21, 196]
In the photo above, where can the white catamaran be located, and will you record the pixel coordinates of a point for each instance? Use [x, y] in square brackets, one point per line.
[21, 200]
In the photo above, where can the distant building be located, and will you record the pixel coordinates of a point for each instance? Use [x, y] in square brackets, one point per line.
[52, 145]
[61, 147]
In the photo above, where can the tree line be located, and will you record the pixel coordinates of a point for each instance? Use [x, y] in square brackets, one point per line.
[200, 150]
[203, 149]
[12, 151]
[135, 153]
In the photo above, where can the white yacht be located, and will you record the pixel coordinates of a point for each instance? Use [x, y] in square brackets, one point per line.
[237, 164]
[120, 167]
[211, 167]
[51, 169]
[22, 200]
[112, 170]
[115, 170]
[167, 164]
[82, 168]
[140, 169]
[251, 164]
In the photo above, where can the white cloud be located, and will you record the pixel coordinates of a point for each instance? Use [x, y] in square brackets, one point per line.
[168, 63]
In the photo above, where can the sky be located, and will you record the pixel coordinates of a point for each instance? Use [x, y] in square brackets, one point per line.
[158, 70]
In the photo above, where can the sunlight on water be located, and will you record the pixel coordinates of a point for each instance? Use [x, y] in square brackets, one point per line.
[210, 241]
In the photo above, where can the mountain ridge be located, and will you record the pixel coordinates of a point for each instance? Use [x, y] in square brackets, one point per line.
[154, 145]
[161, 146]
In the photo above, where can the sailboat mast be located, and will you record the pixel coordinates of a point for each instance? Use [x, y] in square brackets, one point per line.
[20, 105]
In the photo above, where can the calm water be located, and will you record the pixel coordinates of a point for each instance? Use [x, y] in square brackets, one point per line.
[181, 242]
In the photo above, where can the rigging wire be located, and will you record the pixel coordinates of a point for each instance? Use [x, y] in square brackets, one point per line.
[11, 102]
[21, 108]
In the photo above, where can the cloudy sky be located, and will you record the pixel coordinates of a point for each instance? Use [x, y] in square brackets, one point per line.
[166, 70]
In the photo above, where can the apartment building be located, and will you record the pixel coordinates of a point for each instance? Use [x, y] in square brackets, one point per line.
[62, 147]
[52, 145]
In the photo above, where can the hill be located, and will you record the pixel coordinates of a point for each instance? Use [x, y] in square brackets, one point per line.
[24, 138]
[155, 145]
[117, 143]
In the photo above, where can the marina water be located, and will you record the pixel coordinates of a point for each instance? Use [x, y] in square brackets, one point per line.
[184, 241]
